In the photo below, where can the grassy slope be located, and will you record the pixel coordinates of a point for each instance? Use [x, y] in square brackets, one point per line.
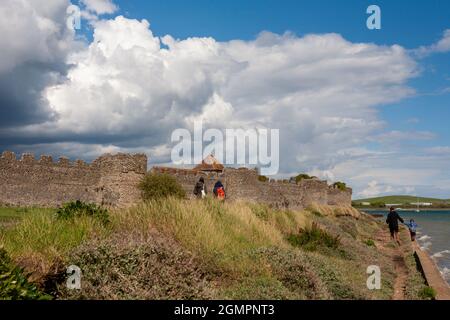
[202, 249]
[8, 215]
[401, 199]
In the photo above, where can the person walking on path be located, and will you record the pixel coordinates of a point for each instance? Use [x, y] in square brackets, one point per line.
[200, 189]
[412, 227]
[392, 220]
[219, 190]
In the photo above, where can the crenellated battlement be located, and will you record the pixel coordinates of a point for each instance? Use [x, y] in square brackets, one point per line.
[109, 179]
[120, 162]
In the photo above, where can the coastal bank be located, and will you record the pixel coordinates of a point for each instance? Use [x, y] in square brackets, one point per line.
[431, 273]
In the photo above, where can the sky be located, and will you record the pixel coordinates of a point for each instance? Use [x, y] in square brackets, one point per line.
[369, 107]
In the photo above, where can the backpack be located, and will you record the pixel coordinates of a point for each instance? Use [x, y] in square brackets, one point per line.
[220, 193]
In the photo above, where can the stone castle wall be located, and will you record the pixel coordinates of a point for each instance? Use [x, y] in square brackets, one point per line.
[244, 184]
[110, 180]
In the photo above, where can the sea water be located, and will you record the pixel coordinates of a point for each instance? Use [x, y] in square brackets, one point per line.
[433, 234]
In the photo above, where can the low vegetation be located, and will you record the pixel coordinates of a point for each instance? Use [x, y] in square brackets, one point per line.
[302, 176]
[157, 186]
[41, 240]
[427, 293]
[75, 209]
[416, 287]
[10, 216]
[263, 178]
[313, 238]
[14, 284]
[340, 185]
[172, 248]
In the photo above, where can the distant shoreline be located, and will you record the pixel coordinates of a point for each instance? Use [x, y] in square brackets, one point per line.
[402, 209]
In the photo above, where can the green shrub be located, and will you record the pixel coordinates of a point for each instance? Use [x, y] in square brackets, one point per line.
[340, 185]
[370, 243]
[77, 208]
[427, 293]
[156, 186]
[263, 178]
[313, 238]
[14, 284]
[301, 177]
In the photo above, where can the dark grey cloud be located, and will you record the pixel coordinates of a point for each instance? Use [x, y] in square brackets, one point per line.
[21, 101]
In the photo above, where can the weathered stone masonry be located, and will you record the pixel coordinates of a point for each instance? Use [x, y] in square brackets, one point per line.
[110, 180]
[244, 184]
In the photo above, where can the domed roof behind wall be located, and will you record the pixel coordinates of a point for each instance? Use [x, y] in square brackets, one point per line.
[210, 164]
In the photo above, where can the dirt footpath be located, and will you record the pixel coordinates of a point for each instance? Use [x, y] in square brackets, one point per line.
[432, 274]
[401, 270]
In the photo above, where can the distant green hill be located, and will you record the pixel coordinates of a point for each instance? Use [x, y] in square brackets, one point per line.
[402, 200]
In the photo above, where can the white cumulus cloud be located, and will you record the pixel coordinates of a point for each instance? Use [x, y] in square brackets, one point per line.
[33, 31]
[128, 90]
[319, 90]
[100, 6]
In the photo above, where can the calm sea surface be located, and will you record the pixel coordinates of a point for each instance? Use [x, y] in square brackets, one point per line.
[433, 235]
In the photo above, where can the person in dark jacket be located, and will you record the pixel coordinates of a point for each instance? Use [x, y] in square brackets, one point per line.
[392, 220]
[219, 190]
[200, 189]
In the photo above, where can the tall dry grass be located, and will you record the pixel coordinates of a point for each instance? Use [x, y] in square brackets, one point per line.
[244, 247]
[335, 211]
[224, 234]
[40, 239]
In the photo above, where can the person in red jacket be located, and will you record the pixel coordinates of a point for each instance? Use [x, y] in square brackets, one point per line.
[219, 190]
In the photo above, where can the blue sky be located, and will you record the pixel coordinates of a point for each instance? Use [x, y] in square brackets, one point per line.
[369, 107]
[226, 20]
[410, 24]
